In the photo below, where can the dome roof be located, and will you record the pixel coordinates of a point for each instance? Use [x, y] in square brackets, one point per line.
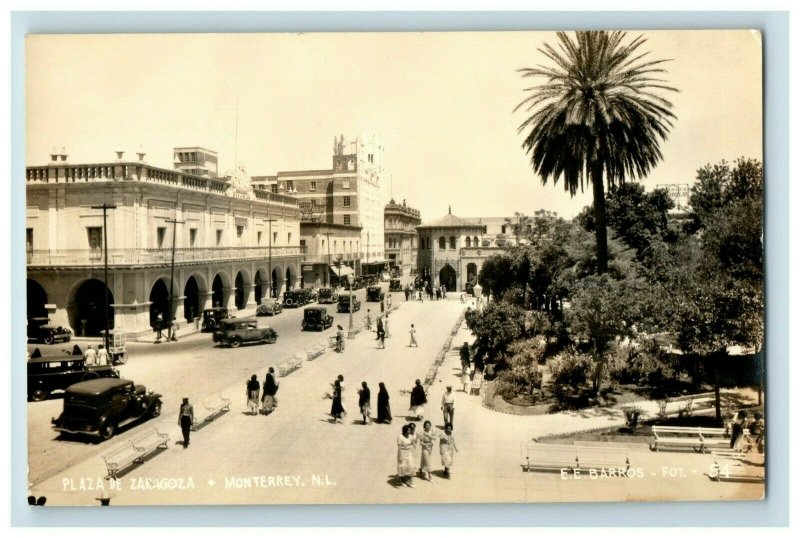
[451, 221]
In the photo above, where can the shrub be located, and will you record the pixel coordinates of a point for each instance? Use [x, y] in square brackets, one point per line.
[570, 368]
[632, 415]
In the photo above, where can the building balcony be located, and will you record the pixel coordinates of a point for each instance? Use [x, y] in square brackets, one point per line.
[142, 257]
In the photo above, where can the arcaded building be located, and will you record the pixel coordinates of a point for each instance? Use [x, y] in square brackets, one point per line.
[400, 228]
[451, 251]
[231, 244]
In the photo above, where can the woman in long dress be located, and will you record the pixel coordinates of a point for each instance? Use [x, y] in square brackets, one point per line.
[364, 401]
[336, 405]
[426, 439]
[384, 410]
[447, 448]
[253, 390]
[405, 457]
[418, 400]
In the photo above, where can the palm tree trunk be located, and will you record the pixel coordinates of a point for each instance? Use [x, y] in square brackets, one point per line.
[601, 238]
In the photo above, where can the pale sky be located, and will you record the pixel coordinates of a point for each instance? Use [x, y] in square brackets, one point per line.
[441, 102]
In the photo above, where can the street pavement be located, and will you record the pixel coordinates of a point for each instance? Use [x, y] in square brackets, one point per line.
[297, 455]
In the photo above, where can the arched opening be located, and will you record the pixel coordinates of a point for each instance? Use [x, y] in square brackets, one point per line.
[274, 284]
[472, 272]
[37, 298]
[289, 279]
[85, 311]
[257, 290]
[159, 302]
[191, 303]
[447, 278]
[217, 293]
[442, 243]
[468, 241]
[239, 291]
[475, 241]
[452, 242]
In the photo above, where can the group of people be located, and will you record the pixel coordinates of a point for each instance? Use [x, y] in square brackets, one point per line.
[409, 443]
[339, 410]
[746, 432]
[96, 358]
[267, 403]
[419, 398]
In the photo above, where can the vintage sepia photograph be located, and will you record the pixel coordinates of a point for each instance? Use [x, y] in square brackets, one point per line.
[395, 268]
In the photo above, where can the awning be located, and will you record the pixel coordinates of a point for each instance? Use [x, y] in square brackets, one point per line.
[345, 270]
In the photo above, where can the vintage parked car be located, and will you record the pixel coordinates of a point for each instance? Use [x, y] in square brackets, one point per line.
[296, 298]
[344, 304]
[213, 316]
[40, 330]
[101, 406]
[395, 285]
[57, 372]
[375, 294]
[235, 332]
[269, 307]
[316, 318]
[327, 296]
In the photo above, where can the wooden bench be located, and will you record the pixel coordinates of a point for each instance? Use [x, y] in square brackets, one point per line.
[212, 409]
[684, 405]
[698, 438]
[430, 376]
[134, 451]
[733, 465]
[290, 364]
[613, 459]
[312, 352]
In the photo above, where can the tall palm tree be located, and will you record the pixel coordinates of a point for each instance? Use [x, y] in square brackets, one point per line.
[598, 113]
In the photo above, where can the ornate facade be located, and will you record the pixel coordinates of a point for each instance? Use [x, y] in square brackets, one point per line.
[400, 229]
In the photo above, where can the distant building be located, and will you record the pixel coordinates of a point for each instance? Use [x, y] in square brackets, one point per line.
[230, 247]
[451, 250]
[679, 194]
[196, 161]
[347, 196]
[400, 229]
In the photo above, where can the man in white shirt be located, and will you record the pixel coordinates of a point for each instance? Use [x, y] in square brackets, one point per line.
[448, 406]
[90, 355]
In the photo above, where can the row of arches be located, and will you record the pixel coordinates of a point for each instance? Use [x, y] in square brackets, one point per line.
[448, 276]
[449, 242]
[85, 303]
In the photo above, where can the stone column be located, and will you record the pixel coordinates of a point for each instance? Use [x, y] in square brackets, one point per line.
[250, 296]
[204, 300]
[229, 298]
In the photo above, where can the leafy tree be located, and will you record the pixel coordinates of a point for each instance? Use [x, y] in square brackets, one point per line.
[598, 115]
[520, 225]
[497, 274]
[496, 327]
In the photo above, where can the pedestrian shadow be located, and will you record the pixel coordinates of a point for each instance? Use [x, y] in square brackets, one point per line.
[439, 474]
[138, 463]
[248, 413]
[395, 481]
[200, 425]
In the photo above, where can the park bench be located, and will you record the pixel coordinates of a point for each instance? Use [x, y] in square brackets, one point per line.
[430, 376]
[685, 406]
[733, 465]
[312, 352]
[555, 457]
[290, 364]
[212, 409]
[134, 451]
[698, 438]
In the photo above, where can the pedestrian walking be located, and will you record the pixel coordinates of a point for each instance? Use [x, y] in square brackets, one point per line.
[448, 406]
[90, 356]
[406, 292]
[412, 332]
[386, 326]
[465, 355]
[269, 401]
[447, 449]
[364, 401]
[461, 298]
[337, 409]
[427, 437]
[418, 400]
[159, 325]
[253, 389]
[405, 457]
[384, 410]
[185, 420]
[369, 320]
[465, 380]
[339, 339]
[381, 334]
[737, 430]
[102, 355]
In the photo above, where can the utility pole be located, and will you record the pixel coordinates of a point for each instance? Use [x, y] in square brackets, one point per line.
[174, 223]
[105, 207]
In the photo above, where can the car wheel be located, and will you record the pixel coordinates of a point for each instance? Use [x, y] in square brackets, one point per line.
[272, 339]
[107, 431]
[155, 410]
[49, 340]
[38, 395]
[236, 342]
[122, 358]
[90, 375]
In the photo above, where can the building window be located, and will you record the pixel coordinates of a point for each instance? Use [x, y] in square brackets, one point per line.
[192, 236]
[313, 186]
[289, 238]
[95, 235]
[219, 237]
[347, 220]
[161, 232]
[346, 201]
[346, 184]
[29, 238]
[335, 245]
[442, 243]
[475, 241]
[452, 242]
[274, 188]
[239, 231]
[503, 229]
[469, 241]
[290, 186]
[258, 238]
[302, 242]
